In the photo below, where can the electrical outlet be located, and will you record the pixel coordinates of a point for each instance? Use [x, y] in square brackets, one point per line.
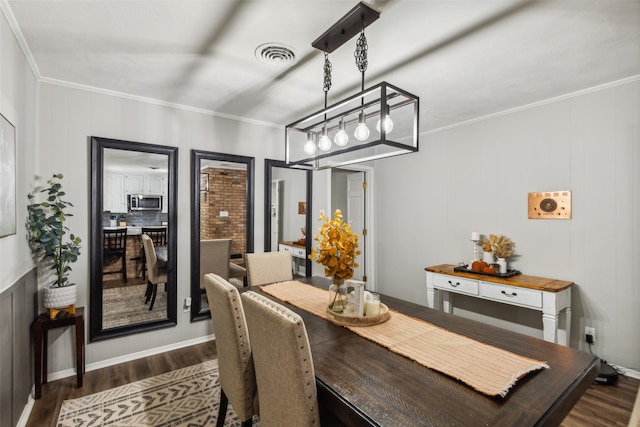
[589, 331]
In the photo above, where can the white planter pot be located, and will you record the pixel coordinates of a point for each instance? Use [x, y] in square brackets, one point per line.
[60, 297]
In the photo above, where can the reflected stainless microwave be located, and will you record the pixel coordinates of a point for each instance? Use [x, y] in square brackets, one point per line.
[144, 202]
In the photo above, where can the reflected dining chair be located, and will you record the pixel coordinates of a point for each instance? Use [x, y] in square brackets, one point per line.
[214, 258]
[235, 361]
[158, 236]
[114, 246]
[283, 364]
[268, 267]
[156, 271]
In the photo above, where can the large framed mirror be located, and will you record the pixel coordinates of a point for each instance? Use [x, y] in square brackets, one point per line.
[288, 213]
[222, 215]
[133, 192]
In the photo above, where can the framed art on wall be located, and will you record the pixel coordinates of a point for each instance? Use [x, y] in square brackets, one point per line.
[7, 178]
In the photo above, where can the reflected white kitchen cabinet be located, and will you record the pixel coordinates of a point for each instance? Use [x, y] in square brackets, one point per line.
[154, 184]
[115, 197]
[134, 184]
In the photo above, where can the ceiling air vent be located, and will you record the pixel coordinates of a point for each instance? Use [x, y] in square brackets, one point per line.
[275, 53]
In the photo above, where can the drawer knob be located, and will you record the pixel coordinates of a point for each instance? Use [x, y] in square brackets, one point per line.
[454, 284]
[512, 294]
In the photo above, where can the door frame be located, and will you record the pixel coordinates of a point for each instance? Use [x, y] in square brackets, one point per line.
[369, 219]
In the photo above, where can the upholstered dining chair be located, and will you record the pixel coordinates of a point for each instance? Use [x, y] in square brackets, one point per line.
[284, 367]
[156, 271]
[235, 360]
[214, 258]
[159, 237]
[269, 267]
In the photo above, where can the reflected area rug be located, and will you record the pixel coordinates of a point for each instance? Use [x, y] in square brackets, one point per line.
[181, 398]
[123, 306]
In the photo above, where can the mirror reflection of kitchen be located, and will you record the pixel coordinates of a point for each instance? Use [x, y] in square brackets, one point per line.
[135, 201]
[223, 215]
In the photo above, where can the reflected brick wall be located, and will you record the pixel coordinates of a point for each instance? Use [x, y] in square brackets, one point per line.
[227, 193]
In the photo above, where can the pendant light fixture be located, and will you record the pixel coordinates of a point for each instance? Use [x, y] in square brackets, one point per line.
[355, 114]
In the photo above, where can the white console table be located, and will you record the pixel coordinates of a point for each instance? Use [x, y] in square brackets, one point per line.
[549, 296]
[298, 255]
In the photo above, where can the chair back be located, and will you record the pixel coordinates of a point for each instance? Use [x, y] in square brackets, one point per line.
[214, 258]
[157, 234]
[114, 240]
[283, 363]
[269, 267]
[235, 361]
[152, 259]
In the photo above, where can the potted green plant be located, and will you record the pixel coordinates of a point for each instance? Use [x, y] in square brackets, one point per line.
[46, 231]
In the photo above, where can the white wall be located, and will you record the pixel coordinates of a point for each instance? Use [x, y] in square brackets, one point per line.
[18, 106]
[294, 190]
[68, 117]
[476, 177]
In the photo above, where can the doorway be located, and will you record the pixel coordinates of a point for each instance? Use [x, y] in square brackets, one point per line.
[351, 193]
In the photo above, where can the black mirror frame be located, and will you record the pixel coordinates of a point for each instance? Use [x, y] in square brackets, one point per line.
[269, 164]
[196, 157]
[98, 144]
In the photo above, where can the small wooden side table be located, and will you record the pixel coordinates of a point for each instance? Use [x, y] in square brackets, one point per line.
[41, 328]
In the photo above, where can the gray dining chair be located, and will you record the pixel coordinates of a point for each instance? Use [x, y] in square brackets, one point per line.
[235, 360]
[283, 363]
[269, 267]
[156, 271]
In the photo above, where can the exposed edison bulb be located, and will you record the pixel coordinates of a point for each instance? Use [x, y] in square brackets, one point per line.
[362, 131]
[387, 123]
[341, 137]
[309, 146]
[325, 142]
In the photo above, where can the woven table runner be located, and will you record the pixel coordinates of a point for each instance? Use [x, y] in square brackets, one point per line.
[488, 369]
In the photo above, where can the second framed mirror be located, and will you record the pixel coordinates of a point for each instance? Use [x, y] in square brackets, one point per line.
[222, 215]
[287, 214]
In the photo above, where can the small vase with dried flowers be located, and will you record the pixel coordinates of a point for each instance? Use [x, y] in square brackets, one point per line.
[337, 250]
[502, 247]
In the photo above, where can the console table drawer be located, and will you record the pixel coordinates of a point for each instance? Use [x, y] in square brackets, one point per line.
[511, 295]
[456, 284]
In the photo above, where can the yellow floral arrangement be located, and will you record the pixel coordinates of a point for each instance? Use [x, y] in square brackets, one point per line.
[500, 245]
[337, 246]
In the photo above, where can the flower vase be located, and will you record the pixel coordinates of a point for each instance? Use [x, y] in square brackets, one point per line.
[502, 265]
[488, 257]
[337, 295]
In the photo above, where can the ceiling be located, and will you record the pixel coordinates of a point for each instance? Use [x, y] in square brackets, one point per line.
[464, 59]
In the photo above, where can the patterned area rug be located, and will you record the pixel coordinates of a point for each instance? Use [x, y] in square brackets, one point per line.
[185, 397]
[125, 305]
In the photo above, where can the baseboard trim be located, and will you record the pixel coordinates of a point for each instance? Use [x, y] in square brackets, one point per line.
[26, 412]
[129, 357]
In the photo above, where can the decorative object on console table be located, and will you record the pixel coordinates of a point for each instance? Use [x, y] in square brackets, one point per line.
[46, 228]
[487, 255]
[475, 238]
[502, 247]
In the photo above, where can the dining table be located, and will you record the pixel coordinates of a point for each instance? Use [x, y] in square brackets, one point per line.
[362, 383]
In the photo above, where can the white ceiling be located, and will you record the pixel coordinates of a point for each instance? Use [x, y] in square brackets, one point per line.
[464, 59]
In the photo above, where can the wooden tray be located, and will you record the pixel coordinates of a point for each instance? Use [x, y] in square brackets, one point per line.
[466, 269]
[339, 319]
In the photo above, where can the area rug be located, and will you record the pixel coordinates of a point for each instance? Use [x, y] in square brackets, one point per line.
[123, 306]
[185, 397]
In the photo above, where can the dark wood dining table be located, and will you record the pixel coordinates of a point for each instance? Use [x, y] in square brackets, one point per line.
[361, 383]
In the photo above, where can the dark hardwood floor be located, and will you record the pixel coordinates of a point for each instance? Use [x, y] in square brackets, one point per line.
[601, 405]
